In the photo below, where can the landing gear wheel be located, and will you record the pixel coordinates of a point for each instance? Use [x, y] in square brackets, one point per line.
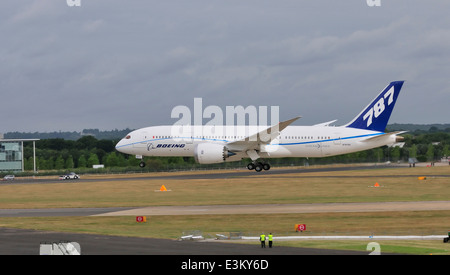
[258, 166]
[142, 164]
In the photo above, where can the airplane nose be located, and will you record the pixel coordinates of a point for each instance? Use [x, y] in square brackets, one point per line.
[125, 145]
[120, 146]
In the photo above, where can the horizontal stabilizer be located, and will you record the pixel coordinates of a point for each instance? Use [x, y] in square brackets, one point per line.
[383, 136]
[325, 124]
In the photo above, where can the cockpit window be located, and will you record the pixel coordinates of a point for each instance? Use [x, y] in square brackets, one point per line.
[128, 137]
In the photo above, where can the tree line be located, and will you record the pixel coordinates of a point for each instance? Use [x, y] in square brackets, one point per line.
[62, 154]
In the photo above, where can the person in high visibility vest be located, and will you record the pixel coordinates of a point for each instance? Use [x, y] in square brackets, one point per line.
[270, 240]
[262, 238]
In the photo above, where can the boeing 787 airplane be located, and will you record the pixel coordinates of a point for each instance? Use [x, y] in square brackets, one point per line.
[216, 144]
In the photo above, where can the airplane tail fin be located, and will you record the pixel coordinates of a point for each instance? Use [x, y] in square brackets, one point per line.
[376, 115]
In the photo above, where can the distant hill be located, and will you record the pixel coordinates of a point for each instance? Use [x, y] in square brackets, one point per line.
[418, 127]
[110, 135]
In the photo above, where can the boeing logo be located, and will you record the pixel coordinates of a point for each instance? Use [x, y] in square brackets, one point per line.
[150, 146]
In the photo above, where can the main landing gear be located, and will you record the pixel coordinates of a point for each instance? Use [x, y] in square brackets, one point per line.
[258, 166]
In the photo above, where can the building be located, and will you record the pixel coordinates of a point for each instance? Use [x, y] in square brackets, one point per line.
[11, 154]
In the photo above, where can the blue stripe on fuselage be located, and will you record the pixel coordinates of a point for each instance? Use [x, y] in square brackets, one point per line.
[292, 143]
[332, 139]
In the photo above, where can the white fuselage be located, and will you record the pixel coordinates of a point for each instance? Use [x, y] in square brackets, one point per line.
[294, 141]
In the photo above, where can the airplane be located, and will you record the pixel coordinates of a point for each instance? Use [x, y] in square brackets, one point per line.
[232, 143]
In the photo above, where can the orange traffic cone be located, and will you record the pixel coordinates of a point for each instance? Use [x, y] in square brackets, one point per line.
[163, 188]
[376, 185]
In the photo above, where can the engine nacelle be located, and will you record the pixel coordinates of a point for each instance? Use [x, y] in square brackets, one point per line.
[208, 153]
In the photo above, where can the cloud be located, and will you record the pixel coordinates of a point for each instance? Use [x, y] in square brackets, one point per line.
[117, 64]
[93, 25]
[32, 10]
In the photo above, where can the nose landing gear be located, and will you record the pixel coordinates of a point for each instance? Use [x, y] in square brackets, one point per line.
[142, 163]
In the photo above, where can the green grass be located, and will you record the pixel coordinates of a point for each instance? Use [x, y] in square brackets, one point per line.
[414, 247]
[258, 189]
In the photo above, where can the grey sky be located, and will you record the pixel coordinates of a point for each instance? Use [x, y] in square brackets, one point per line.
[115, 64]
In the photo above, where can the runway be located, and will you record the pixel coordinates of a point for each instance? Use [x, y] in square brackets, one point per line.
[282, 208]
[230, 209]
[27, 242]
[58, 212]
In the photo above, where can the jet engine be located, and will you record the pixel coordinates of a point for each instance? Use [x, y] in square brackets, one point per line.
[207, 153]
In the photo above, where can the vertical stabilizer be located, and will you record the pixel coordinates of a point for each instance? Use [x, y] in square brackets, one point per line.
[376, 115]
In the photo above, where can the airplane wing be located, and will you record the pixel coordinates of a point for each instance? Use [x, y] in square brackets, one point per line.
[265, 136]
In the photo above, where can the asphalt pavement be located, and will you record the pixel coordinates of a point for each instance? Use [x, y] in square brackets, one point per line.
[27, 242]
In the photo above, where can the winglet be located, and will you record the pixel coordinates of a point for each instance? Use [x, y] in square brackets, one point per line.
[282, 125]
[266, 136]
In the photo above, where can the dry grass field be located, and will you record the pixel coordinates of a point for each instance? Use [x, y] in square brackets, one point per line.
[396, 184]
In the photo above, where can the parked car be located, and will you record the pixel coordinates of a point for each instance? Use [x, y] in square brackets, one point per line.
[9, 177]
[70, 176]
